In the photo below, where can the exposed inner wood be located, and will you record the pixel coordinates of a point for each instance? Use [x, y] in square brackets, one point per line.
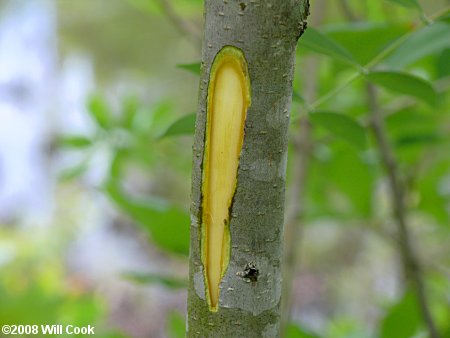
[227, 106]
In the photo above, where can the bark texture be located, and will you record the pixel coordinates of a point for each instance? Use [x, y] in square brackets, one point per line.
[250, 291]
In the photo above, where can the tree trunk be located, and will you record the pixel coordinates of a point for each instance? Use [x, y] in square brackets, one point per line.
[235, 264]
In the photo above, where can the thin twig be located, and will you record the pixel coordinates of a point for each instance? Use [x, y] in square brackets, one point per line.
[346, 9]
[185, 27]
[409, 256]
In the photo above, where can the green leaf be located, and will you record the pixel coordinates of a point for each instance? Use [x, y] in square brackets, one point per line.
[418, 139]
[374, 36]
[167, 225]
[443, 66]
[118, 163]
[74, 172]
[74, 141]
[130, 108]
[320, 43]
[176, 325]
[407, 3]
[191, 67]
[341, 126]
[411, 125]
[294, 331]
[429, 40]
[151, 278]
[444, 17]
[403, 319]
[433, 187]
[183, 126]
[404, 83]
[99, 111]
[349, 173]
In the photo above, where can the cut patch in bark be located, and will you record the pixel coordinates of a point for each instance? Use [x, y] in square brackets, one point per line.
[228, 101]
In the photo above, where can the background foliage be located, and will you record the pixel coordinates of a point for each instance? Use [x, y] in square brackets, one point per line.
[350, 279]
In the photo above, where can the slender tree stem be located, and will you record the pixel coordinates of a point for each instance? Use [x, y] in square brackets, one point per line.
[248, 300]
[409, 256]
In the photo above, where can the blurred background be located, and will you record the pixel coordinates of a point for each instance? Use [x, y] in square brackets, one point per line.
[97, 102]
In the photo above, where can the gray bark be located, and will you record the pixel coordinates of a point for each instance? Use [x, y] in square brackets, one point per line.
[267, 32]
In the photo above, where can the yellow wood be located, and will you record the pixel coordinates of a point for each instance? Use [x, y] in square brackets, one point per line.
[228, 101]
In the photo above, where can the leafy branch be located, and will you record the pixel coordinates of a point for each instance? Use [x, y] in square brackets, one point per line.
[389, 162]
[364, 70]
[387, 158]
